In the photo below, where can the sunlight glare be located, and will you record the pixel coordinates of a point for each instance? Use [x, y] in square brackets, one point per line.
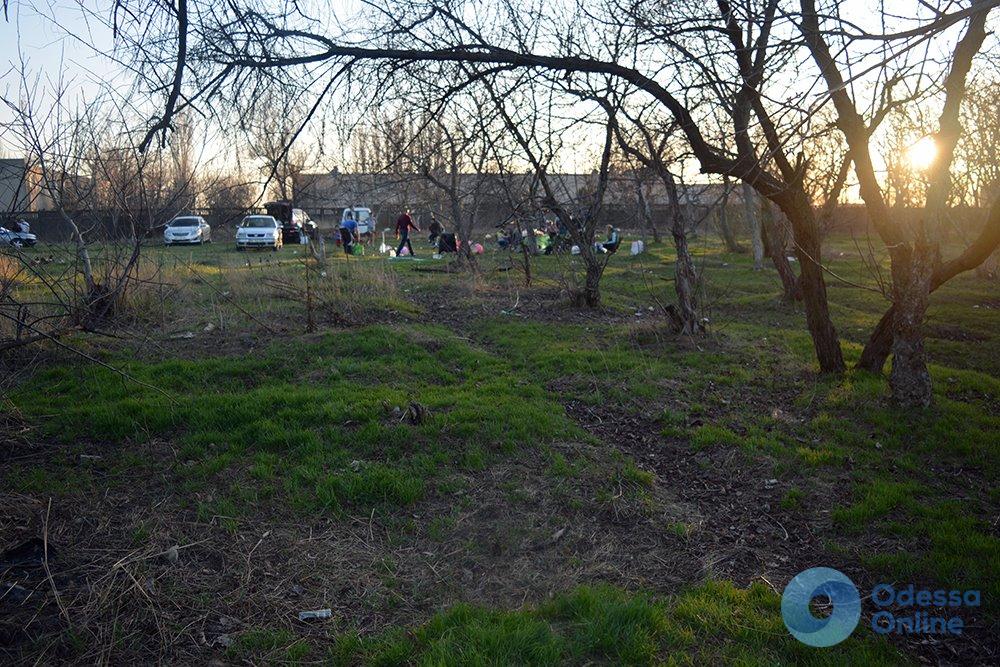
[921, 154]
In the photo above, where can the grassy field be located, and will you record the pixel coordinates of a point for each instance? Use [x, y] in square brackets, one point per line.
[466, 470]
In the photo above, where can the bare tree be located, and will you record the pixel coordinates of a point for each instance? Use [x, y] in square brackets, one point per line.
[652, 148]
[726, 73]
[227, 190]
[753, 226]
[531, 120]
[722, 219]
[977, 150]
[94, 176]
[774, 238]
[641, 181]
[271, 134]
[914, 259]
[451, 152]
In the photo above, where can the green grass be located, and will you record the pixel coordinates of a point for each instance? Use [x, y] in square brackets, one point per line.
[714, 623]
[314, 425]
[320, 425]
[270, 645]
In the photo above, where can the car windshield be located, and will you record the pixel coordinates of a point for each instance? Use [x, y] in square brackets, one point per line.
[183, 222]
[258, 221]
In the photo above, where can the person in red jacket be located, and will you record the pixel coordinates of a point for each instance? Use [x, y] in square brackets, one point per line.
[404, 224]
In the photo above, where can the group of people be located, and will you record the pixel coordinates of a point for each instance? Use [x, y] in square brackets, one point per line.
[555, 232]
[553, 238]
[349, 233]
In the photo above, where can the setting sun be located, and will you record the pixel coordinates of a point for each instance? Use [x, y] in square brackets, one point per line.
[921, 154]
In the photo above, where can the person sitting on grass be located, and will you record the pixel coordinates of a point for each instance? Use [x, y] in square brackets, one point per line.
[349, 234]
[614, 238]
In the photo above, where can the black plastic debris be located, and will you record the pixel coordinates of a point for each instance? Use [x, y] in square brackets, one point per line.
[28, 554]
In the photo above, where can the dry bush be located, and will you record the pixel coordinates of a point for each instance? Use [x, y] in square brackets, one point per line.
[337, 291]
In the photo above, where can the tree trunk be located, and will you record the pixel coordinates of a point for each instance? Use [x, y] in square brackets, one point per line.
[685, 276]
[879, 344]
[753, 224]
[81, 252]
[463, 232]
[592, 284]
[798, 209]
[647, 216]
[824, 335]
[525, 256]
[909, 378]
[774, 240]
[685, 283]
[722, 219]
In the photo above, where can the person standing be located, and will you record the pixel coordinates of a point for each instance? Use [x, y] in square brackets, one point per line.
[404, 224]
[349, 234]
[435, 230]
[553, 232]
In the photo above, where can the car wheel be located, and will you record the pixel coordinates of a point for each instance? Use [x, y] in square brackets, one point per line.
[240, 249]
[17, 243]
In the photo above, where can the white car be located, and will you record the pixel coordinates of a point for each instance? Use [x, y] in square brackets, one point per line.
[187, 229]
[259, 231]
[16, 239]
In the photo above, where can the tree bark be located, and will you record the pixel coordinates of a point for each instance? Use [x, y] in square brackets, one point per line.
[722, 219]
[798, 209]
[753, 224]
[647, 216]
[879, 345]
[592, 281]
[774, 240]
[909, 378]
[685, 276]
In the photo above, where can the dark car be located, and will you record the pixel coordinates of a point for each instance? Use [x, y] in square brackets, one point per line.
[294, 221]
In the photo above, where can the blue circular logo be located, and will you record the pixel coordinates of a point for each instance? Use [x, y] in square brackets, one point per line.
[844, 600]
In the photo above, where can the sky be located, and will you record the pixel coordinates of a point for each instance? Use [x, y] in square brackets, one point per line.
[61, 36]
[54, 36]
